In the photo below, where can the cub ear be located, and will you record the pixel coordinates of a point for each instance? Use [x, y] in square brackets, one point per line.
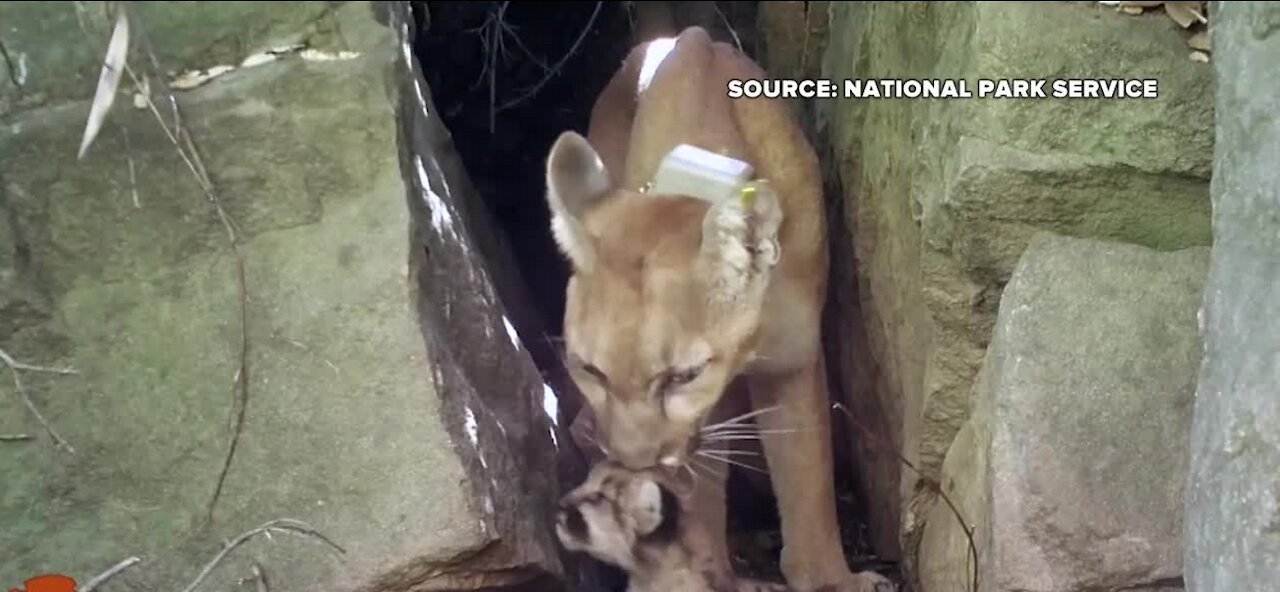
[576, 180]
[656, 510]
[740, 242]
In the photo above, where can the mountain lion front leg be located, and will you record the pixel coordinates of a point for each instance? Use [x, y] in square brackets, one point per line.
[797, 444]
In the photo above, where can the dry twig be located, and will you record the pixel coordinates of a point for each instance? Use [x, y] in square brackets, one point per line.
[493, 34]
[8, 64]
[181, 139]
[16, 437]
[279, 525]
[260, 579]
[555, 69]
[804, 51]
[101, 578]
[724, 19]
[17, 368]
[964, 525]
[133, 173]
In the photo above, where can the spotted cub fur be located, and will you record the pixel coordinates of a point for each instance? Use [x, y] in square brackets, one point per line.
[635, 520]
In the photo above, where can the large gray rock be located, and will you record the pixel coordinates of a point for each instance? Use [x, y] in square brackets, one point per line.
[1233, 501]
[392, 403]
[942, 196]
[1072, 467]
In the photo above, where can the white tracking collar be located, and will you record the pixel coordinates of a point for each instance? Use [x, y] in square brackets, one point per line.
[695, 172]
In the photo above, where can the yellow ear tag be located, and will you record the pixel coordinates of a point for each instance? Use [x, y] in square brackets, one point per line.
[748, 196]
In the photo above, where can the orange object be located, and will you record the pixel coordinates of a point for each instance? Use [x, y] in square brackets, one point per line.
[48, 583]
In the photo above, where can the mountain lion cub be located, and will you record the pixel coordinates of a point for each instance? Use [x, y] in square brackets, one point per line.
[673, 295]
[636, 521]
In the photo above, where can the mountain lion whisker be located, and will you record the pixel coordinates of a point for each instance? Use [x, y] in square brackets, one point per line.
[704, 465]
[728, 452]
[692, 472]
[732, 437]
[730, 461]
[714, 435]
[739, 419]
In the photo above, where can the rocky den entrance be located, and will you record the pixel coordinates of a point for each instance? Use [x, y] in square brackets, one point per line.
[507, 79]
[280, 310]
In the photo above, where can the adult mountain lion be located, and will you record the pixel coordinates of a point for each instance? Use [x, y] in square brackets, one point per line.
[674, 295]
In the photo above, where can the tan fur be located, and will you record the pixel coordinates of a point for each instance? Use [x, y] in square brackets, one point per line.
[672, 298]
[658, 548]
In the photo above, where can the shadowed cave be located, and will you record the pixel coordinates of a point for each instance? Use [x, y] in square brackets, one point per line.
[508, 78]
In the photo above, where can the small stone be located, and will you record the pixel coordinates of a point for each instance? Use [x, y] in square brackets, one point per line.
[1200, 56]
[1200, 41]
[1183, 13]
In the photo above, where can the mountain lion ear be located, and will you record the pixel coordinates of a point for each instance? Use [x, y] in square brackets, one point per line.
[740, 242]
[576, 180]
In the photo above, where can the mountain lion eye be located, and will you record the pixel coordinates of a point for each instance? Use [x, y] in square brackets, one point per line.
[683, 377]
[592, 370]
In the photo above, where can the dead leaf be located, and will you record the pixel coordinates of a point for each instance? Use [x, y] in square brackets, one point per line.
[1184, 13]
[1134, 10]
[108, 82]
[195, 78]
[1200, 56]
[1201, 41]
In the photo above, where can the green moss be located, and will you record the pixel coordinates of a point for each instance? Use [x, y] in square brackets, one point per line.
[342, 427]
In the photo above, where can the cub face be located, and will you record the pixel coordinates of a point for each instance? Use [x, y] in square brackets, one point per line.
[663, 305]
[620, 517]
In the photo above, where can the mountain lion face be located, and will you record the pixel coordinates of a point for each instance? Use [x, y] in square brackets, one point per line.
[663, 307]
[620, 517]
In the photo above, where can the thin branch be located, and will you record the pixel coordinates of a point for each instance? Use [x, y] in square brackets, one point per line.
[8, 64]
[12, 363]
[182, 141]
[80, 12]
[260, 578]
[16, 367]
[16, 437]
[804, 51]
[631, 18]
[524, 48]
[280, 525]
[133, 173]
[556, 68]
[101, 578]
[242, 384]
[724, 19]
[964, 525]
[493, 73]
